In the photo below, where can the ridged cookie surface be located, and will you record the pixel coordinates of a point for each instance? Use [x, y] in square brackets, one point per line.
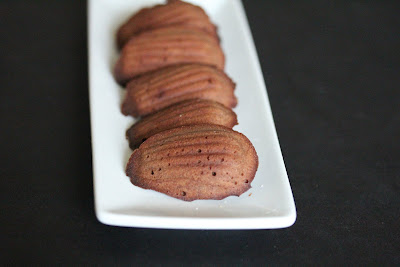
[159, 89]
[196, 111]
[173, 13]
[166, 46]
[195, 162]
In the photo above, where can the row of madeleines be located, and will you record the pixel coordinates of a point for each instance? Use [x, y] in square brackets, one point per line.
[172, 66]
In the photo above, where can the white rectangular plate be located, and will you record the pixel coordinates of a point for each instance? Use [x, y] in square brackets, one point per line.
[268, 204]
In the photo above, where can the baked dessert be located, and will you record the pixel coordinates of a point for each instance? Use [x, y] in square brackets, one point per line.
[203, 161]
[159, 89]
[174, 12]
[166, 46]
[189, 112]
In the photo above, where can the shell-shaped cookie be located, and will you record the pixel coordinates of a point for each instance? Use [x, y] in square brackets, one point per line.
[159, 89]
[166, 46]
[202, 161]
[196, 111]
[173, 13]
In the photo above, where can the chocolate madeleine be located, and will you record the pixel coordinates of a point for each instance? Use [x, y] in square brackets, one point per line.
[159, 89]
[196, 111]
[166, 46]
[201, 161]
[172, 13]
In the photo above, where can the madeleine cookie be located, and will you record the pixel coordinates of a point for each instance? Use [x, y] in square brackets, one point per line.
[172, 13]
[201, 161]
[159, 89]
[166, 46]
[196, 111]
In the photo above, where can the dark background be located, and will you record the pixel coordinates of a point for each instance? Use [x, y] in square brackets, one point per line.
[332, 69]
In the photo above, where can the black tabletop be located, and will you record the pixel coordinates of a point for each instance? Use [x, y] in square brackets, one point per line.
[332, 69]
